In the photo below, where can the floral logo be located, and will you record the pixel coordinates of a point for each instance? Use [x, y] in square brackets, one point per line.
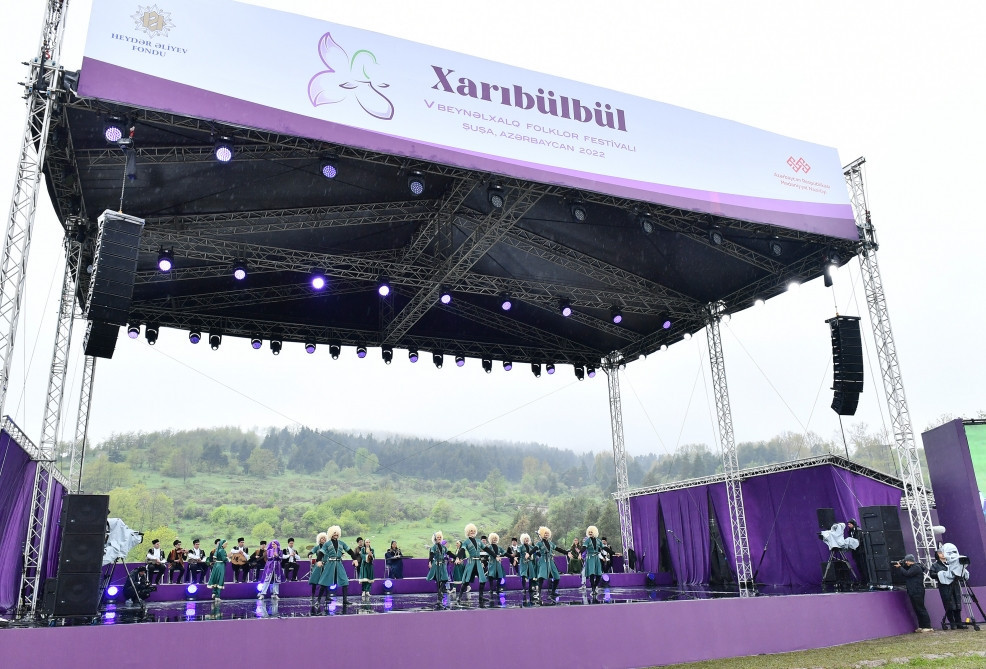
[152, 20]
[349, 76]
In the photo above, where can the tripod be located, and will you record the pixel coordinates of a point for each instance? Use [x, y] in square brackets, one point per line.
[108, 576]
[837, 571]
[968, 599]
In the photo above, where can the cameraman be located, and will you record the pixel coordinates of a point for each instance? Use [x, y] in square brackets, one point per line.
[138, 588]
[913, 573]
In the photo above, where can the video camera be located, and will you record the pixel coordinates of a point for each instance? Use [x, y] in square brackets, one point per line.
[964, 560]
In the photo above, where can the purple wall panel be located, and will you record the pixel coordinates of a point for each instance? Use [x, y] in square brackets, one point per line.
[957, 494]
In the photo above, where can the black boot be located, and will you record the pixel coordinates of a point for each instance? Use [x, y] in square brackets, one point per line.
[554, 587]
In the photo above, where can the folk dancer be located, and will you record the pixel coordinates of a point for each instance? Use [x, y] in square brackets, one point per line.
[547, 569]
[333, 571]
[437, 569]
[473, 562]
[526, 567]
[495, 569]
[593, 562]
[217, 577]
[316, 571]
[365, 566]
[459, 556]
[273, 574]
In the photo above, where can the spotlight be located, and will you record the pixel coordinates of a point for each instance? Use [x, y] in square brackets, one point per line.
[150, 332]
[565, 307]
[239, 270]
[579, 372]
[664, 347]
[383, 287]
[360, 352]
[329, 169]
[445, 297]
[437, 359]
[460, 361]
[388, 353]
[793, 285]
[487, 365]
[275, 346]
[776, 249]
[616, 314]
[112, 591]
[505, 303]
[758, 302]
[687, 336]
[507, 365]
[550, 368]
[497, 196]
[579, 213]
[412, 355]
[715, 236]
[536, 369]
[113, 129]
[416, 183]
[165, 260]
[257, 343]
[215, 339]
[665, 322]
[318, 281]
[590, 372]
[334, 350]
[645, 223]
[224, 149]
[192, 589]
[309, 347]
[195, 336]
[133, 330]
[388, 585]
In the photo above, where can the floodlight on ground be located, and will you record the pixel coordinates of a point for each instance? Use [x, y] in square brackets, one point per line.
[150, 333]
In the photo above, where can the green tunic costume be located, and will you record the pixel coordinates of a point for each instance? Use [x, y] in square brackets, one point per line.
[526, 567]
[546, 560]
[365, 573]
[495, 571]
[473, 563]
[437, 571]
[460, 567]
[217, 577]
[333, 571]
[593, 565]
[316, 571]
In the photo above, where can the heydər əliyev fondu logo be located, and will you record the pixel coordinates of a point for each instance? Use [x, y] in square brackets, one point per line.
[798, 165]
[152, 20]
[349, 77]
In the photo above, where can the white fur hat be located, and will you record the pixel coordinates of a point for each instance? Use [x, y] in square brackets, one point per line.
[334, 530]
[494, 537]
[321, 538]
[591, 531]
[472, 527]
[437, 536]
[544, 532]
[525, 537]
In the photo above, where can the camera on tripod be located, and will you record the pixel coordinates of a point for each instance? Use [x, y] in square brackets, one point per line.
[964, 560]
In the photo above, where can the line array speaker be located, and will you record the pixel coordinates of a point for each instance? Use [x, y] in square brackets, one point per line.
[100, 340]
[111, 286]
[847, 364]
[883, 541]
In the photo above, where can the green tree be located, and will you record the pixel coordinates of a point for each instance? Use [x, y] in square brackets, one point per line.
[262, 463]
[141, 508]
[100, 475]
[262, 531]
[442, 511]
[495, 485]
[163, 532]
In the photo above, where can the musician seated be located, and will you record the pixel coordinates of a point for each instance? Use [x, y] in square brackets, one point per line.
[255, 565]
[289, 561]
[395, 565]
[239, 556]
[176, 562]
[155, 562]
[196, 563]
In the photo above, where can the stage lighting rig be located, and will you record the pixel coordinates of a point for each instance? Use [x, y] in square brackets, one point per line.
[150, 333]
[334, 350]
[437, 358]
[223, 149]
[133, 330]
[215, 339]
[388, 353]
[460, 361]
[412, 355]
[416, 183]
[487, 365]
[275, 346]
[194, 336]
[497, 196]
[360, 352]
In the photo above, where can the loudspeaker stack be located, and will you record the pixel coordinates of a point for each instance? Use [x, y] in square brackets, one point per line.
[80, 559]
[884, 541]
[847, 364]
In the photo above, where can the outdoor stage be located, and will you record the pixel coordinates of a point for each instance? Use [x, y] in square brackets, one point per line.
[622, 627]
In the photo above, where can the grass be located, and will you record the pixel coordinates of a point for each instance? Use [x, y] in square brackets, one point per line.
[953, 650]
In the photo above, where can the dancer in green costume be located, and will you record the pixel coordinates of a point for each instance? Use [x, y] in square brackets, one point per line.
[217, 578]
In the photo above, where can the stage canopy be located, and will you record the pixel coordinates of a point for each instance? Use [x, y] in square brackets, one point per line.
[780, 503]
[368, 158]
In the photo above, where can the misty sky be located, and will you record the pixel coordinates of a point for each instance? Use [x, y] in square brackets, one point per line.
[900, 83]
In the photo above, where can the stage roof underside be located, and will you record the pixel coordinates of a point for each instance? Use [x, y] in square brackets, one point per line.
[272, 208]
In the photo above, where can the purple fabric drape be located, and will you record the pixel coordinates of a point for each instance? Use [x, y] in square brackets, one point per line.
[49, 564]
[780, 519]
[16, 481]
[686, 518]
[646, 540]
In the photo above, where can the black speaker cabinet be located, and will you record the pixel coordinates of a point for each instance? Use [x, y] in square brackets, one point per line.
[826, 518]
[847, 364]
[76, 595]
[85, 514]
[114, 265]
[100, 339]
[883, 541]
[81, 553]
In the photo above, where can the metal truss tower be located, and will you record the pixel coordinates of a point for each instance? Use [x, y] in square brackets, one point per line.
[78, 452]
[915, 493]
[612, 369]
[730, 463]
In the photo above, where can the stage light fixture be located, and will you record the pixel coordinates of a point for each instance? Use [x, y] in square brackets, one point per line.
[309, 347]
[387, 352]
[383, 286]
[192, 589]
[318, 281]
[776, 249]
[497, 196]
[215, 339]
[150, 333]
[437, 358]
[565, 308]
[687, 336]
[329, 169]
[239, 270]
[579, 372]
[550, 368]
[645, 223]
[113, 128]
[616, 314]
[257, 343]
[759, 302]
[505, 303]
[445, 297]
[664, 347]
[579, 214]
[715, 236]
[507, 365]
[112, 591]
[133, 330]
[412, 355]
[224, 149]
[460, 361]
[275, 346]
[487, 365]
[536, 369]
[360, 352]
[388, 585]
[666, 322]
[416, 183]
[195, 336]
[793, 285]
[165, 260]
[334, 350]
[590, 372]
